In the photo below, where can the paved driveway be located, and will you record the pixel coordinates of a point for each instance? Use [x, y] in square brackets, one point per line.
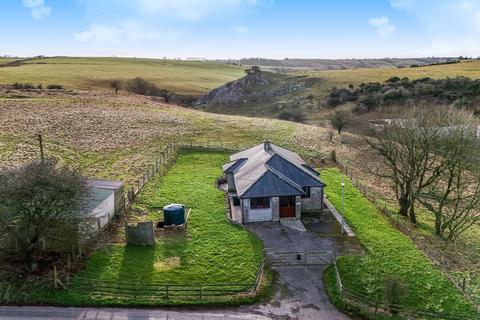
[52, 313]
[300, 293]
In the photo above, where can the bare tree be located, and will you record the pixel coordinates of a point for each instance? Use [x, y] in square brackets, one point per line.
[412, 153]
[340, 120]
[454, 198]
[116, 85]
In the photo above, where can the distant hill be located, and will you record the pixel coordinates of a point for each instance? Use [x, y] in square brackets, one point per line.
[266, 94]
[339, 64]
[192, 78]
[303, 95]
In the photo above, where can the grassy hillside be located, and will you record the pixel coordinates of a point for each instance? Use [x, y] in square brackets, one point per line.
[389, 253]
[6, 60]
[183, 77]
[118, 136]
[302, 95]
[342, 78]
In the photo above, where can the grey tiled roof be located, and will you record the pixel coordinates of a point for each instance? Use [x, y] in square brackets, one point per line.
[272, 172]
[298, 174]
[233, 165]
[271, 184]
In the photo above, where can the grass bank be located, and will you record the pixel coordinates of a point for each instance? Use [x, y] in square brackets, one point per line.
[389, 253]
[183, 77]
[209, 251]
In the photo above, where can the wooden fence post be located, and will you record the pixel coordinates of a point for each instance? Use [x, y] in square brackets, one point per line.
[55, 276]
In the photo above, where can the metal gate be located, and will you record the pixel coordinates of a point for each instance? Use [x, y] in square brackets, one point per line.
[295, 258]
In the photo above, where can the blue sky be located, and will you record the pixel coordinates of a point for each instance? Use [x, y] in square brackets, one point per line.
[241, 28]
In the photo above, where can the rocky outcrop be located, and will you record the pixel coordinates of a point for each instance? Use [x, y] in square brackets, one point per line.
[259, 93]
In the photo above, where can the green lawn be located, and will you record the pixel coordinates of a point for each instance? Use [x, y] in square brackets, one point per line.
[183, 77]
[389, 252]
[210, 251]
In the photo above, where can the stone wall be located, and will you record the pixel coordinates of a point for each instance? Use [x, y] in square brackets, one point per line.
[315, 201]
[298, 207]
[275, 204]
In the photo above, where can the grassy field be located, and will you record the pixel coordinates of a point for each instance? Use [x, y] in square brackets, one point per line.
[197, 78]
[6, 60]
[209, 251]
[389, 253]
[118, 137]
[342, 78]
[182, 77]
[302, 95]
[459, 259]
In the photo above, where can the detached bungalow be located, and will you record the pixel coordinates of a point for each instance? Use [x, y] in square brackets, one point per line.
[268, 183]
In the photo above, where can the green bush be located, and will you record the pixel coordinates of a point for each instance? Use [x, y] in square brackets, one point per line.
[55, 87]
[291, 115]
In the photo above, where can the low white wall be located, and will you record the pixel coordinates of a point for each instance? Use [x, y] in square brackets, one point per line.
[255, 215]
[104, 211]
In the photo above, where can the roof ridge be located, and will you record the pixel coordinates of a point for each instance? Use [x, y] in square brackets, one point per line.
[285, 178]
[303, 169]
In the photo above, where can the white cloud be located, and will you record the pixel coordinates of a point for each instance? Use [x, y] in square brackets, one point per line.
[38, 9]
[129, 31]
[451, 27]
[240, 29]
[384, 28]
[195, 9]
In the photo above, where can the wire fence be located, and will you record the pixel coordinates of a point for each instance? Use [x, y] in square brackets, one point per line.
[381, 307]
[153, 291]
[167, 156]
[157, 291]
[394, 217]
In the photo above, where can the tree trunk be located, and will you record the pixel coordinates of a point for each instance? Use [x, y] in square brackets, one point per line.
[411, 213]
[438, 225]
[404, 206]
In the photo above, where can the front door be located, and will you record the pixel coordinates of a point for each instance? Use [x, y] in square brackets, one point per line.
[287, 207]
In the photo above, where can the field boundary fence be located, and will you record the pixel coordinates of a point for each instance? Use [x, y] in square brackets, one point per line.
[163, 291]
[167, 156]
[394, 217]
[381, 307]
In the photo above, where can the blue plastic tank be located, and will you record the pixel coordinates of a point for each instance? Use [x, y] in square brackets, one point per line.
[174, 214]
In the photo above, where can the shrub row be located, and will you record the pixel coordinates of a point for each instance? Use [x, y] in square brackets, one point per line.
[462, 91]
[27, 86]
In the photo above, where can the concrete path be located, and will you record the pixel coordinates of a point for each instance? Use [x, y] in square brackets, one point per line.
[51, 313]
[300, 293]
[294, 224]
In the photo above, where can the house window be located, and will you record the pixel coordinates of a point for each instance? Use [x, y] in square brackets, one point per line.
[307, 192]
[260, 203]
